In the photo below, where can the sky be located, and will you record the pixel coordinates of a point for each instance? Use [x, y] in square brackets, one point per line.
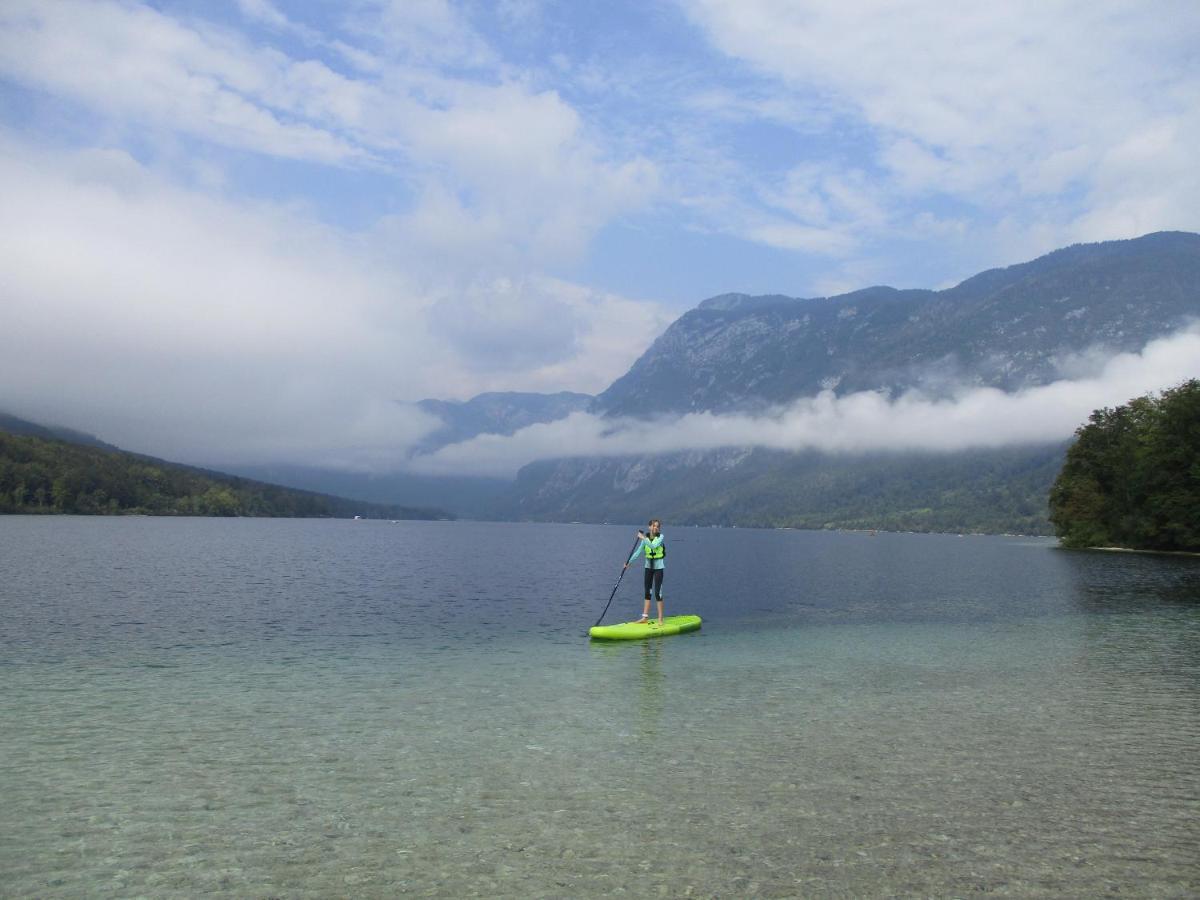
[258, 231]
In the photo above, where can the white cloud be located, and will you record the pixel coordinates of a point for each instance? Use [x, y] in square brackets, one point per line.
[1078, 118]
[195, 325]
[789, 236]
[611, 332]
[516, 162]
[545, 331]
[854, 423]
[526, 167]
[172, 316]
[201, 328]
[420, 31]
[197, 79]
[266, 12]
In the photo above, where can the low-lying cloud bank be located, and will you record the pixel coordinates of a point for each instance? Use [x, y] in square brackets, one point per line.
[212, 329]
[855, 423]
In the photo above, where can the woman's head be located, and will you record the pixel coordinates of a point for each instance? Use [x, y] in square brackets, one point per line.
[655, 525]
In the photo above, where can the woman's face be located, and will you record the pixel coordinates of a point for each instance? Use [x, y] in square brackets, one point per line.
[655, 527]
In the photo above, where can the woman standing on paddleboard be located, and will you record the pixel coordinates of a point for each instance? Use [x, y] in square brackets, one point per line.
[651, 546]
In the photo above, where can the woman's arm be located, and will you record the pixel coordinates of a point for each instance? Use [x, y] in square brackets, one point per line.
[638, 550]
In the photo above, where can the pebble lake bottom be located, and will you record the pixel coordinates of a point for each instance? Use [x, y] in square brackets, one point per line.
[300, 708]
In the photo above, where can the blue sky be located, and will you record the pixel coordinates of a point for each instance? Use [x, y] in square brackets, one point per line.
[259, 229]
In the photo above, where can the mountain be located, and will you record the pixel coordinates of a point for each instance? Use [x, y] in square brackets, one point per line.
[1006, 328]
[1009, 328]
[10, 424]
[58, 470]
[995, 491]
[496, 413]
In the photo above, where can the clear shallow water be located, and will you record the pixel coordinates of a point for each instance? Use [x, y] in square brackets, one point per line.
[317, 708]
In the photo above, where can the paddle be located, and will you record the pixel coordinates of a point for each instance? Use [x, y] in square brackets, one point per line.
[618, 584]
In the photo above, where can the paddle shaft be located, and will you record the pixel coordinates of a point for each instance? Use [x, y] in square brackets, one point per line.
[618, 584]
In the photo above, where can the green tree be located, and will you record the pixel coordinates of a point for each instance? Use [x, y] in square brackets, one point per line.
[1132, 477]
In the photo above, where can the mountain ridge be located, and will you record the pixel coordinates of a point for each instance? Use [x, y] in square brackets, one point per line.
[1005, 328]
[1009, 328]
[11, 424]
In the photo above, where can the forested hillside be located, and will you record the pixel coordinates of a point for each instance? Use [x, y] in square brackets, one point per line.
[39, 475]
[993, 491]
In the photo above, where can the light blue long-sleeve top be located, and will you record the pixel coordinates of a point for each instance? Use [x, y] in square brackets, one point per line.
[641, 548]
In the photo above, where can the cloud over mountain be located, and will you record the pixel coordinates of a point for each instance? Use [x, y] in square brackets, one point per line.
[866, 421]
[269, 225]
[199, 327]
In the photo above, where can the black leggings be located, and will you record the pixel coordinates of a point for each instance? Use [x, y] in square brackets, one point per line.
[654, 579]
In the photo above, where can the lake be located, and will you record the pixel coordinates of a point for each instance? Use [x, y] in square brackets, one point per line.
[333, 708]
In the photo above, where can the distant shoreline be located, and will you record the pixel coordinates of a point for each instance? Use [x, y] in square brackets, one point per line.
[1135, 550]
[50, 513]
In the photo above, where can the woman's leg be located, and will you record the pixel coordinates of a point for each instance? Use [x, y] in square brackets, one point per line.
[658, 580]
[649, 582]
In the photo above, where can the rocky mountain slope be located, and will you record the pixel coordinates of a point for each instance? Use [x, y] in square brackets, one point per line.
[1008, 328]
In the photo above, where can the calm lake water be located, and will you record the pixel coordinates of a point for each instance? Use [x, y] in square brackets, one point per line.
[331, 708]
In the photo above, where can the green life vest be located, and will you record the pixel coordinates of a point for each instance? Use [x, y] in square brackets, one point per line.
[653, 553]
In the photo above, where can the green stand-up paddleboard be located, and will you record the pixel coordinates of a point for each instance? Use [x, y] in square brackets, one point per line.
[636, 631]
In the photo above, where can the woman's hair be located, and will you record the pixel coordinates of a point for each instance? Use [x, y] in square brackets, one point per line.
[657, 522]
